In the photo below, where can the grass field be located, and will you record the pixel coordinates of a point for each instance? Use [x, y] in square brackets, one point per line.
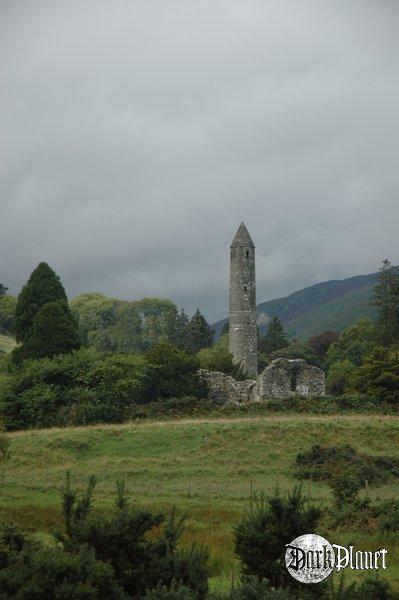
[7, 343]
[204, 467]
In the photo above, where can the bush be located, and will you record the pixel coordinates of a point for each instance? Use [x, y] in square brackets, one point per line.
[388, 513]
[354, 343]
[378, 376]
[140, 545]
[269, 524]
[325, 463]
[177, 372]
[297, 350]
[77, 388]
[339, 376]
[220, 359]
[36, 572]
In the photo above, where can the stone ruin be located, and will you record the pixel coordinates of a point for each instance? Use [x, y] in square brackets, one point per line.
[281, 379]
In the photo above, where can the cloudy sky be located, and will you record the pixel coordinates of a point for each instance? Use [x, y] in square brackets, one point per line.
[136, 135]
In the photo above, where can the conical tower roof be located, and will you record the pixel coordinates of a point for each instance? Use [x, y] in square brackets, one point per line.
[242, 237]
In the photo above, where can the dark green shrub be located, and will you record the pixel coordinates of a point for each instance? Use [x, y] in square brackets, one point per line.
[162, 592]
[388, 513]
[141, 546]
[378, 376]
[39, 573]
[269, 524]
[43, 321]
[324, 463]
[177, 372]
[217, 358]
[77, 388]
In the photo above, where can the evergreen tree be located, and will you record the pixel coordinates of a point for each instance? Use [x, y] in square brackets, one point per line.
[3, 289]
[386, 299]
[274, 339]
[54, 331]
[199, 333]
[180, 333]
[43, 286]
[43, 321]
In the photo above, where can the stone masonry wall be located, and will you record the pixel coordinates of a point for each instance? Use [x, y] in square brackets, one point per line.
[223, 388]
[281, 379]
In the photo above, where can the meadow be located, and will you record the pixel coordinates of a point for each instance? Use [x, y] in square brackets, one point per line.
[207, 468]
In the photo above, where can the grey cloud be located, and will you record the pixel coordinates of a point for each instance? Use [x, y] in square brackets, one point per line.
[135, 136]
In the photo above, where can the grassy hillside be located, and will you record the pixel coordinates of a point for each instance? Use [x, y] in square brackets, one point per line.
[204, 467]
[329, 305]
[7, 343]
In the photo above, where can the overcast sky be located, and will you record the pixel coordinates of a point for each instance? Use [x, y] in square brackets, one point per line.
[136, 135]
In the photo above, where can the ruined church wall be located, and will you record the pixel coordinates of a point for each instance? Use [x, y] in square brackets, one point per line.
[283, 378]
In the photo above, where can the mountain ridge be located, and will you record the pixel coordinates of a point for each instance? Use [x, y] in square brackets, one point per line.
[331, 304]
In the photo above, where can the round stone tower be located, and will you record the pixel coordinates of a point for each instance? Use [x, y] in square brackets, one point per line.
[242, 324]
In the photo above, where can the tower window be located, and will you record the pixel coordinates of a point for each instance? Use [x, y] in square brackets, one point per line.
[247, 254]
[245, 288]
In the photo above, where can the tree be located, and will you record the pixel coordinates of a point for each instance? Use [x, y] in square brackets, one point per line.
[199, 333]
[386, 299]
[43, 321]
[3, 289]
[8, 306]
[339, 377]
[321, 342]
[266, 527]
[43, 286]
[354, 343]
[125, 540]
[274, 338]
[179, 335]
[217, 358]
[77, 388]
[297, 350]
[177, 372]
[378, 376]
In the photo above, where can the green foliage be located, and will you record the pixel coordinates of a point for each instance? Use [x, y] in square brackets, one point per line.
[38, 572]
[54, 332]
[76, 388]
[43, 322]
[199, 333]
[3, 289]
[112, 325]
[217, 358]
[299, 350]
[177, 372]
[320, 343]
[266, 527]
[161, 592]
[274, 338]
[378, 376]
[4, 445]
[322, 463]
[8, 306]
[141, 546]
[388, 513]
[43, 286]
[339, 377]
[252, 588]
[386, 299]
[353, 344]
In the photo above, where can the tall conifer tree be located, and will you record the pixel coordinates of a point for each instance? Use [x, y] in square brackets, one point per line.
[199, 333]
[44, 324]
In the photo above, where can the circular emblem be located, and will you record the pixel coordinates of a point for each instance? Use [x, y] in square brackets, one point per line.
[309, 558]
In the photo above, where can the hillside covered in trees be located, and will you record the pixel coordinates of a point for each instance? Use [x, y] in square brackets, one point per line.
[331, 305]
